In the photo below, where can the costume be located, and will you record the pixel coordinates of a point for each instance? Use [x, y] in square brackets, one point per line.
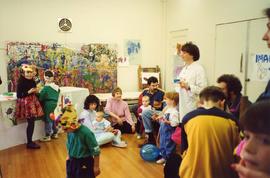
[49, 98]
[194, 75]
[121, 109]
[27, 105]
[81, 146]
[167, 145]
[209, 137]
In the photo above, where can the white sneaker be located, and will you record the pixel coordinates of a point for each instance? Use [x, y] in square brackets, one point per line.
[120, 145]
[161, 161]
[45, 139]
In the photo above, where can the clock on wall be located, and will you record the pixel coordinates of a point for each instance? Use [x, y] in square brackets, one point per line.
[64, 24]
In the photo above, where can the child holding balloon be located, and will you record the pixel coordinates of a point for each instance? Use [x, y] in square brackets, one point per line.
[48, 97]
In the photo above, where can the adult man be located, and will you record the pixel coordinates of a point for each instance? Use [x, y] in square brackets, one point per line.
[231, 86]
[209, 136]
[156, 97]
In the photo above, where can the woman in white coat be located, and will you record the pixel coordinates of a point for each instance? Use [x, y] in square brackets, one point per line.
[192, 79]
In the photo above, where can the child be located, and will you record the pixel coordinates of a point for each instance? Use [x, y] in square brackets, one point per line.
[101, 126]
[255, 153]
[145, 106]
[83, 150]
[168, 122]
[27, 104]
[49, 97]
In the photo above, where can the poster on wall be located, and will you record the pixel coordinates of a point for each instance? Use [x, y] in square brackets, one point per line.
[259, 67]
[92, 66]
[132, 50]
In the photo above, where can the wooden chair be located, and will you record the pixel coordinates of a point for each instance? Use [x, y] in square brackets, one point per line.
[145, 73]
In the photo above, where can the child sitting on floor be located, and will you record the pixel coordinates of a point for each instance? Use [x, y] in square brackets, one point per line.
[255, 152]
[102, 125]
[145, 106]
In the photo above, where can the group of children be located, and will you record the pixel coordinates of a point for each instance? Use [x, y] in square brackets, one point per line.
[83, 154]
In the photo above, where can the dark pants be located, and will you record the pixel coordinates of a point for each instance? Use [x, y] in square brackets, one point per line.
[139, 126]
[124, 128]
[171, 168]
[80, 167]
[30, 129]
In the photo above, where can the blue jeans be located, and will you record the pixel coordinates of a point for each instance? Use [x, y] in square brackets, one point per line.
[50, 128]
[147, 120]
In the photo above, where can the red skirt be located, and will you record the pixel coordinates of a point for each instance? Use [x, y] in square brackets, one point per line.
[28, 107]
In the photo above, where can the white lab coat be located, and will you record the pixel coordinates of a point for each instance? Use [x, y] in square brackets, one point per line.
[194, 75]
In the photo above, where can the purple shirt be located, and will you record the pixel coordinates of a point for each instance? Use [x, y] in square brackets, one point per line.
[120, 108]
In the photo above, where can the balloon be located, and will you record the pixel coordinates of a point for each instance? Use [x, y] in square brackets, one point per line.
[149, 152]
[52, 116]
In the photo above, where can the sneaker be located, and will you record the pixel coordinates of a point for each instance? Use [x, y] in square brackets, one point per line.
[120, 145]
[54, 136]
[161, 161]
[60, 130]
[32, 145]
[45, 139]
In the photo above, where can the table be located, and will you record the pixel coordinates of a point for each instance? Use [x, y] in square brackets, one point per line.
[13, 133]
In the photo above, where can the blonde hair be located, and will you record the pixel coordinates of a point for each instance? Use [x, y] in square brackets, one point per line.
[173, 96]
[100, 114]
[146, 97]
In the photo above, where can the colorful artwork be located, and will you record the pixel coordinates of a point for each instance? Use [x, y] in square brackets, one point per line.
[132, 50]
[92, 66]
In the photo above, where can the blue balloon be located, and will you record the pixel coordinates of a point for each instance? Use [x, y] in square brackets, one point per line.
[149, 152]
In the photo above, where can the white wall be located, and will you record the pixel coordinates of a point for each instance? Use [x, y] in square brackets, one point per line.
[93, 21]
[200, 18]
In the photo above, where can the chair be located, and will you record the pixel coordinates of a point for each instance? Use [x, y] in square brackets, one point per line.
[145, 73]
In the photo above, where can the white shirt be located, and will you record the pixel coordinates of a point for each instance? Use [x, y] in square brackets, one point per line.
[99, 127]
[173, 115]
[194, 75]
[88, 117]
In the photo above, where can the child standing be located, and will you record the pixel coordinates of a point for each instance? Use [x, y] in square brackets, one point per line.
[27, 104]
[102, 125]
[83, 150]
[145, 106]
[168, 122]
[49, 97]
[255, 153]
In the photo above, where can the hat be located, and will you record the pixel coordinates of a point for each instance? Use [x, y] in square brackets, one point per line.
[26, 67]
[68, 119]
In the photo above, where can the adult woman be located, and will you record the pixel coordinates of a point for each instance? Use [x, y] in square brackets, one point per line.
[118, 110]
[192, 79]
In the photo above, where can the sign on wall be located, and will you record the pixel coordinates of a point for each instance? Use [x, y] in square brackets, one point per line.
[260, 67]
